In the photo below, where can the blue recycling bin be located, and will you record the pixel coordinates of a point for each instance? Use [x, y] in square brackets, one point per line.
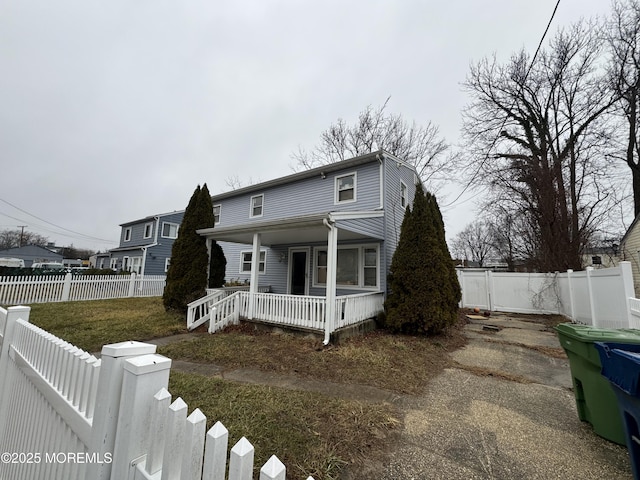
[622, 368]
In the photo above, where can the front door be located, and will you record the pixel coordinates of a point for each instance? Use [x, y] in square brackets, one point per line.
[298, 272]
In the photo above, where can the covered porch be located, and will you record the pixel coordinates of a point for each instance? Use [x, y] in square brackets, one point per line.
[345, 302]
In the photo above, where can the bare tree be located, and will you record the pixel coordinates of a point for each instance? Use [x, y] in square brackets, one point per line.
[536, 133]
[17, 238]
[377, 129]
[623, 35]
[474, 242]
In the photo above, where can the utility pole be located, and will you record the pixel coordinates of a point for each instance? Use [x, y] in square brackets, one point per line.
[22, 233]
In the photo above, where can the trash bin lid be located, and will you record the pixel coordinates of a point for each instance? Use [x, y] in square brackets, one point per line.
[589, 334]
[621, 367]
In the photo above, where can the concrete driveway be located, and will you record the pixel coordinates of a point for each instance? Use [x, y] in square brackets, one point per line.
[507, 411]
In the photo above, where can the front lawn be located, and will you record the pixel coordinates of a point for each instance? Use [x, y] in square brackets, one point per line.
[312, 433]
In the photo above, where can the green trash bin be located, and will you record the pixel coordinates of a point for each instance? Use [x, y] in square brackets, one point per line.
[595, 399]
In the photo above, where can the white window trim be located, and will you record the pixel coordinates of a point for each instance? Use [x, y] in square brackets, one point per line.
[336, 198]
[404, 197]
[127, 234]
[167, 262]
[169, 223]
[244, 272]
[150, 227]
[361, 248]
[113, 263]
[219, 206]
[251, 215]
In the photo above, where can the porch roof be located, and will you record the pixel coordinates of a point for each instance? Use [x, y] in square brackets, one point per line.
[299, 229]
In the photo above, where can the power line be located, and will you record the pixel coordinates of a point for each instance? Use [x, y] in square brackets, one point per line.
[493, 143]
[81, 235]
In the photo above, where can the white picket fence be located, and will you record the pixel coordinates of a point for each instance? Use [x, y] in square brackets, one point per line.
[66, 415]
[16, 290]
[603, 298]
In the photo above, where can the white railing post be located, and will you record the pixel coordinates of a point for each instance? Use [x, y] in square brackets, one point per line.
[626, 274]
[66, 288]
[132, 284]
[13, 315]
[107, 407]
[592, 305]
[490, 291]
[143, 376]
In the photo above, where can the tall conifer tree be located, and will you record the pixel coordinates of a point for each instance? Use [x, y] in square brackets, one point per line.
[187, 275]
[424, 290]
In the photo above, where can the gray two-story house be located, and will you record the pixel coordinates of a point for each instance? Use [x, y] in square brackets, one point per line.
[145, 244]
[320, 241]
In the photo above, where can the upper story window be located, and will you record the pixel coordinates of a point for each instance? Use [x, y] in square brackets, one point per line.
[170, 230]
[403, 194]
[345, 188]
[216, 214]
[257, 202]
[127, 234]
[148, 230]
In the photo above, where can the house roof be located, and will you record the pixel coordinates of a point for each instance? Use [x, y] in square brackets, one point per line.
[323, 169]
[298, 229]
[150, 218]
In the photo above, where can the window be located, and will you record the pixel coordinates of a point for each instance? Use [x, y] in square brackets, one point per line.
[403, 194]
[136, 265]
[148, 230]
[113, 264]
[167, 262]
[256, 205]
[170, 230]
[245, 262]
[356, 266]
[127, 234]
[346, 188]
[216, 214]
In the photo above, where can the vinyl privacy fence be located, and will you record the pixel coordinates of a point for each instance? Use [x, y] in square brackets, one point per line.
[16, 290]
[603, 298]
[64, 414]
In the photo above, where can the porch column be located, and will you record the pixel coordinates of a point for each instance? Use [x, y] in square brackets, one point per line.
[255, 270]
[330, 295]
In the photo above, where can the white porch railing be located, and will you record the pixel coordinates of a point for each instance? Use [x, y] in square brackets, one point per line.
[287, 310]
[66, 415]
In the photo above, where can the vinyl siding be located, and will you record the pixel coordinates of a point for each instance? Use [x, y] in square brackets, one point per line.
[630, 251]
[304, 197]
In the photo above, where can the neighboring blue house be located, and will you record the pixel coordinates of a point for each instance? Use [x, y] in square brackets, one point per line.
[145, 245]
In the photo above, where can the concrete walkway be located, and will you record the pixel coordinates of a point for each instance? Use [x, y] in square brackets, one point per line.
[486, 427]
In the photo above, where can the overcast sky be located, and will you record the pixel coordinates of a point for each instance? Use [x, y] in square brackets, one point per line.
[115, 110]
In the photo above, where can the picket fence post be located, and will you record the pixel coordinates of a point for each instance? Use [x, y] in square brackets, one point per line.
[571, 296]
[143, 377]
[108, 401]
[132, 284]
[66, 288]
[594, 319]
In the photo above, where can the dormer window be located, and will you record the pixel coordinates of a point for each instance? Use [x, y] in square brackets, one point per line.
[216, 214]
[345, 188]
[257, 202]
